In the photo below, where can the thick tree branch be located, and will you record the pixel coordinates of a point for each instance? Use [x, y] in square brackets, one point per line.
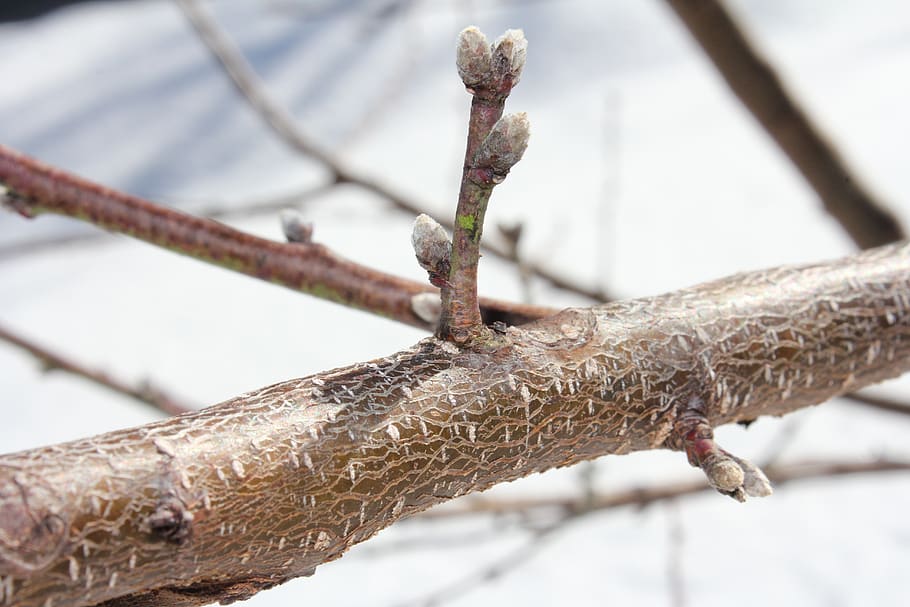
[145, 393]
[35, 188]
[754, 81]
[218, 504]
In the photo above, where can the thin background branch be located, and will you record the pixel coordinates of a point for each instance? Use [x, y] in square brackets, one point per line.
[145, 393]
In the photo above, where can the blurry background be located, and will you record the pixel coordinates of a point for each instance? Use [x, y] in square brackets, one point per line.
[644, 174]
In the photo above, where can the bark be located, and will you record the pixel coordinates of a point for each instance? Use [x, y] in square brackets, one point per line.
[219, 504]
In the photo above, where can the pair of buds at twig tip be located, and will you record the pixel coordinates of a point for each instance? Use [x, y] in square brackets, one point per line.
[499, 65]
[433, 249]
[295, 228]
[505, 144]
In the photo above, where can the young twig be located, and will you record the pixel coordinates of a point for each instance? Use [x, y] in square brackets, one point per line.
[145, 393]
[495, 144]
[282, 123]
[752, 78]
[307, 267]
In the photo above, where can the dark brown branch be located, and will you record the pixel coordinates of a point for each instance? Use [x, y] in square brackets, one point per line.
[282, 123]
[751, 77]
[145, 393]
[311, 268]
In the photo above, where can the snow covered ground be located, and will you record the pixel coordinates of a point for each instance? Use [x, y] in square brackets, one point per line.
[644, 174]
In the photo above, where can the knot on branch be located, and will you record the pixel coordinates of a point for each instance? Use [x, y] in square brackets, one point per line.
[171, 521]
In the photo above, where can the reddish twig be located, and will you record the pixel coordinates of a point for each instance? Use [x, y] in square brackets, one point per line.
[145, 393]
[311, 268]
[755, 82]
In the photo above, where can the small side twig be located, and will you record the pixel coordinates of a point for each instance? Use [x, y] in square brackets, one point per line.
[307, 267]
[495, 144]
[145, 393]
[754, 81]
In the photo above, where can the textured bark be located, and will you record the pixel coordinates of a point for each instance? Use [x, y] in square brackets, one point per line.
[221, 503]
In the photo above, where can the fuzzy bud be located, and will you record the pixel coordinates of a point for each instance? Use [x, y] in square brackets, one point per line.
[473, 57]
[432, 248]
[509, 54]
[506, 143]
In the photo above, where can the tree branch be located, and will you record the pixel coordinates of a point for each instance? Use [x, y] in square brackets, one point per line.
[221, 503]
[35, 188]
[754, 81]
[145, 393]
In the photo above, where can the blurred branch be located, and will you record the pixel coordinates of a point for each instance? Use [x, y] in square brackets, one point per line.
[283, 124]
[751, 77]
[878, 402]
[35, 188]
[574, 506]
[145, 393]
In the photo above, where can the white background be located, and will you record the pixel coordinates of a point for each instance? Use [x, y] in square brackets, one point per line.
[644, 174]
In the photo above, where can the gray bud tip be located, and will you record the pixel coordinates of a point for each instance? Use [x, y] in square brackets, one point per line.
[506, 143]
[473, 57]
[294, 227]
[509, 54]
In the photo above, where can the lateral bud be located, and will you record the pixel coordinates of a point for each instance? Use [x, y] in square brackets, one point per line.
[295, 228]
[473, 57]
[505, 144]
[432, 248]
